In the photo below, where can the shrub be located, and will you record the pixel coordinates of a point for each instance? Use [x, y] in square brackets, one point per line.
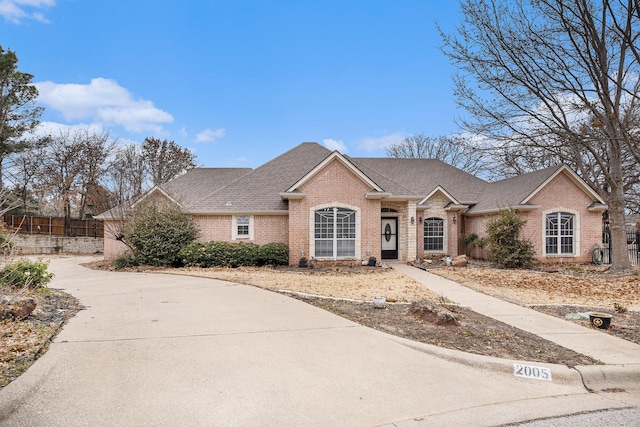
[25, 273]
[506, 247]
[156, 235]
[192, 255]
[243, 254]
[236, 254]
[273, 254]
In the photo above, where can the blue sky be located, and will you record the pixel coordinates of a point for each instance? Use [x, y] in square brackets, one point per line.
[239, 82]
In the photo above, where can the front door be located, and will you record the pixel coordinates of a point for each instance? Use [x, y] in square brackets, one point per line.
[389, 242]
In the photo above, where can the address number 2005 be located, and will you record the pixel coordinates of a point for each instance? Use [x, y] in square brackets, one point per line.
[531, 372]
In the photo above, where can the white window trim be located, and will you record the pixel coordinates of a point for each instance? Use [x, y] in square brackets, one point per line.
[576, 233]
[234, 225]
[312, 221]
[445, 240]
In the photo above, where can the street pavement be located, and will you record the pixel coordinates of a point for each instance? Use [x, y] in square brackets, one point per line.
[164, 350]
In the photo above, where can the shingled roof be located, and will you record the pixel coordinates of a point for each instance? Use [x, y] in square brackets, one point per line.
[259, 190]
[245, 190]
[511, 192]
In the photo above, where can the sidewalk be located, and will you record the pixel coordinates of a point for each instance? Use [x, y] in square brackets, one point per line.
[620, 357]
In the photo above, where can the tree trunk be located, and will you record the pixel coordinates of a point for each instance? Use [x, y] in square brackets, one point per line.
[619, 252]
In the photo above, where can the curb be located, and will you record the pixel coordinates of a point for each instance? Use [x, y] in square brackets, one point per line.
[561, 374]
[610, 378]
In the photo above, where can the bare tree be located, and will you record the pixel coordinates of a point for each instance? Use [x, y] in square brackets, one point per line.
[453, 150]
[61, 168]
[166, 160]
[73, 164]
[557, 80]
[127, 174]
[96, 148]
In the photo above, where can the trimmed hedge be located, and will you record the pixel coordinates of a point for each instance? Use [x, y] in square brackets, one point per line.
[235, 254]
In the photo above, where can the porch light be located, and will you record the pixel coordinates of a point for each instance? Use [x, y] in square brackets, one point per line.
[413, 220]
[454, 219]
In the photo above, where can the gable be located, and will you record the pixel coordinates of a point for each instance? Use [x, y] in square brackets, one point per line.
[561, 191]
[570, 180]
[332, 158]
[335, 177]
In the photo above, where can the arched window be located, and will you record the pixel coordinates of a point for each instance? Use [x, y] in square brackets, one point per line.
[335, 233]
[560, 234]
[434, 234]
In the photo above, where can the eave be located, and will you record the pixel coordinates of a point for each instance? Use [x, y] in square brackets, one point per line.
[294, 195]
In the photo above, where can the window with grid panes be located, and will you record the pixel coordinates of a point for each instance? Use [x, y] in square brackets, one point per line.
[335, 233]
[242, 224]
[560, 234]
[433, 234]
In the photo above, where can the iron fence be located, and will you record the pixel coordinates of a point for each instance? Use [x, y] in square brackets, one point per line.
[633, 248]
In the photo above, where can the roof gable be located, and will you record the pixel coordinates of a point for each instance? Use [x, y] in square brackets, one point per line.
[579, 182]
[334, 156]
[435, 191]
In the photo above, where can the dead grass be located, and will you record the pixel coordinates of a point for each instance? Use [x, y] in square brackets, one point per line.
[568, 286]
[353, 283]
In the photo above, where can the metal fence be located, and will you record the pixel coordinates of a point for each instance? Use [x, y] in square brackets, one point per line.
[54, 226]
[632, 247]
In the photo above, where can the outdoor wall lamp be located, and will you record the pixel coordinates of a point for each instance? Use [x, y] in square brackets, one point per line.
[454, 219]
[413, 220]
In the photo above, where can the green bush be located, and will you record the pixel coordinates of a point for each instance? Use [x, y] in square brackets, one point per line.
[25, 273]
[192, 255]
[236, 254]
[156, 235]
[243, 254]
[506, 247]
[273, 254]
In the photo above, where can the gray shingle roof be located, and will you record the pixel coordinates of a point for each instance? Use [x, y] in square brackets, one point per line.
[511, 191]
[419, 177]
[235, 190]
[260, 189]
[191, 187]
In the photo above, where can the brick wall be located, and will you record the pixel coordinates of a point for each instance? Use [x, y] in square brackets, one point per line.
[563, 195]
[559, 195]
[334, 186]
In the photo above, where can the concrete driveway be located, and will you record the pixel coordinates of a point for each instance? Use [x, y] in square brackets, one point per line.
[164, 350]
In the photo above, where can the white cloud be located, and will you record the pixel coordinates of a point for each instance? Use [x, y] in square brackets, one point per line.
[332, 144]
[17, 10]
[380, 143]
[103, 101]
[210, 135]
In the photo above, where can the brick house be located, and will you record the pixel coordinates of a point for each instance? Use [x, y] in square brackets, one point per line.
[332, 207]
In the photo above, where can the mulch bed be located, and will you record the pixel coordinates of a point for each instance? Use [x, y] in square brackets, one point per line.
[475, 333]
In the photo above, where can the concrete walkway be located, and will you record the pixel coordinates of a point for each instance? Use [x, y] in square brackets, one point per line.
[622, 356]
[165, 350]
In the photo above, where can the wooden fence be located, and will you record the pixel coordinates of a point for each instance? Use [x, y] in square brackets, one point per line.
[54, 226]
